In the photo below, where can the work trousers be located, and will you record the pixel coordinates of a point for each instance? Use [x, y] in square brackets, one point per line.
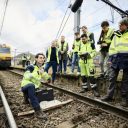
[52, 64]
[112, 82]
[64, 63]
[29, 91]
[103, 62]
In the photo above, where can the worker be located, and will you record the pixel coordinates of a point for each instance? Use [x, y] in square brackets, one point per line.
[63, 57]
[24, 60]
[104, 42]
[52, 60]
[76, 48]
[31, 82]
[91, 39]
[118, 59]
[90, 36]
[86, 53]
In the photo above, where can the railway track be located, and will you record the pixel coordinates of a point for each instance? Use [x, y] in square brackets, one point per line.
[6, 116]
[79, 113]
[110, 107]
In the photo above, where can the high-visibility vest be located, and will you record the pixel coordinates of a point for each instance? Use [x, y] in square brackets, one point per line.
[107, 37]
[87, 48]
[34, 77]
[64, 46]
[119, 43]
[49, 55]
[76, 46]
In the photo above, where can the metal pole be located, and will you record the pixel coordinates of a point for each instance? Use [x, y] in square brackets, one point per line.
[15, 56]
[10, 117]
[77, 21]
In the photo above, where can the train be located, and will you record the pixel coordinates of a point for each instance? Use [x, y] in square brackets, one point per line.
[5, 56]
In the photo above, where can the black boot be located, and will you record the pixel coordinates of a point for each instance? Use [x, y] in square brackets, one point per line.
[40, 114]
[96, 92]
[124, 102]
[95, 89]
[107, 99]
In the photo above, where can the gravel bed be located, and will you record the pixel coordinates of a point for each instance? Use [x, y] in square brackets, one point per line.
[79, 114]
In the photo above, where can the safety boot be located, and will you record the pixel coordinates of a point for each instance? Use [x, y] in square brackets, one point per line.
[84, 88]
[41, 115]
[124, 102]
[107, 99]
[95, 90]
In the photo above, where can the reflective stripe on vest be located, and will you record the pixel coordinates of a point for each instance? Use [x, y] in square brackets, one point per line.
[119, 45]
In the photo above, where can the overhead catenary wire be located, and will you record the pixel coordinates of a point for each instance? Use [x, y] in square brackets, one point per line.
[64, 24]
[6, 4]
[63, 20]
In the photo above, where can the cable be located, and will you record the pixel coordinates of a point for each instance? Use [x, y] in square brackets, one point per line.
[3, 17]
[65, 24]
[62, 20]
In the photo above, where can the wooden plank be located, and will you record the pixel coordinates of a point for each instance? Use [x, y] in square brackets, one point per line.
[66, 124]
[58, 105]
[46, 109]
[26, 113]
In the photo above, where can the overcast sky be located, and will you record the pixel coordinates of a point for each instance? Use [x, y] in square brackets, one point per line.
[31, 25]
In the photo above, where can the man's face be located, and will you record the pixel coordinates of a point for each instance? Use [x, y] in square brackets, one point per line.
[105, 28]
[84, 29]
[123, 27]
[84, 39]
[77, 36]
[40, 59]
[62, 39]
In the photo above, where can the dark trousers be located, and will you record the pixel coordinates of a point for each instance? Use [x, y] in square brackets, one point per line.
[112, 82]
[54, 68]
[64, 63]
[29, 91]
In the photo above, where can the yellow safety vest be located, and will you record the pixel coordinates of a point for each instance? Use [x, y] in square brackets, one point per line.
[119, 44]
[87, 48]
[34, 77]
[49, 55]
[76, 46]
[64, 46]
[107, 37]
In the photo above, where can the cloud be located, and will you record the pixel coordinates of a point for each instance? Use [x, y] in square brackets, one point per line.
[31, 25]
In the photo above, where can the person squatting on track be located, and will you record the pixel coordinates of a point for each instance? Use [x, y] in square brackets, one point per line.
[86, 54]
[32, 81]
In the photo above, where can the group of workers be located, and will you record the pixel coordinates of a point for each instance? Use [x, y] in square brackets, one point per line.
[114, 49]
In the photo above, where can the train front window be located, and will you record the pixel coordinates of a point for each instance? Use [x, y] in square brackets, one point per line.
[4, 50]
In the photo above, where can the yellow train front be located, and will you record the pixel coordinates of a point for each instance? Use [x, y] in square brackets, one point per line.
[5, 56]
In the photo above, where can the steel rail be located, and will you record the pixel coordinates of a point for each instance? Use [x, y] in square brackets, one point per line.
[9, 114]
